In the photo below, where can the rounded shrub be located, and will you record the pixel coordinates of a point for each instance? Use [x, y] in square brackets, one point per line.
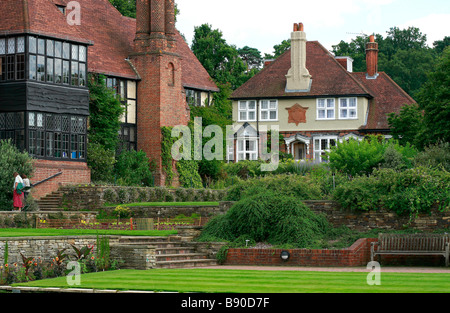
[272, 217]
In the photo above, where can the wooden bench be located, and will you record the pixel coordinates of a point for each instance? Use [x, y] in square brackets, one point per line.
[412, 244]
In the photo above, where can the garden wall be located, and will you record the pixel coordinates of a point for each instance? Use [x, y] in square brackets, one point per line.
[357, 255]
[382, 219]
[10, 219]
[94, 197]
[166, 211]
[45, 247]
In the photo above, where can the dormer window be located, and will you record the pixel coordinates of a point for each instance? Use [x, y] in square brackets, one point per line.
[62, 9]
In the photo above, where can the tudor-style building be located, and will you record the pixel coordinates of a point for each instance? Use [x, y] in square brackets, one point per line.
[315, 99]
[44, 63]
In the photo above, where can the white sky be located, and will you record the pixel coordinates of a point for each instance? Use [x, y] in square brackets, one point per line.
[262, 24]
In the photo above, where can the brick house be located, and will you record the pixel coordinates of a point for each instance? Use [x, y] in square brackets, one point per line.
[315, 99]
[45, 57]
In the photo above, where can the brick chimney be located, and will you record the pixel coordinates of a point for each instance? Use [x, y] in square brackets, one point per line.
[372, 58]
[160, 91]
[298, 78]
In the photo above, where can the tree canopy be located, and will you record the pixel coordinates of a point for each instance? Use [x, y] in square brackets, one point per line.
[428, 122]
[403, 55]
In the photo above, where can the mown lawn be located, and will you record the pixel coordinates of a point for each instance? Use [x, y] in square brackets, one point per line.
[21, 232]
[254, 281]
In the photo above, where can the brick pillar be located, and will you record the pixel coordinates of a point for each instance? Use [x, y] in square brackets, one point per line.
[372, 57]
[160, 93]
[170, 22]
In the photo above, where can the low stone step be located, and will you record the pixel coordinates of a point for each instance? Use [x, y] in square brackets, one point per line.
[186, 263]
[175, 250]
[180, 257]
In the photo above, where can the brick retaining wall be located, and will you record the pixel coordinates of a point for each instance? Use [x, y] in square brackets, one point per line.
[356, 255]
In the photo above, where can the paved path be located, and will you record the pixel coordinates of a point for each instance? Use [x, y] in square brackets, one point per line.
[335, 269]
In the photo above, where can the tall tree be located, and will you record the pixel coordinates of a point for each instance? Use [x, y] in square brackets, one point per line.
[251, 57]
[434, 100]
[429, 121]
[279, 49]
[220, 59]
[403, 55]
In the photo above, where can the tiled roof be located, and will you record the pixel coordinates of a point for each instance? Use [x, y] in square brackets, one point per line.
[328, 77]
[194, 74]
[388, 97]
[111, 34]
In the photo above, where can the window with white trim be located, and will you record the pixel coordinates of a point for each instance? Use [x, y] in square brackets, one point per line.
[348, 108]
[325, 109]
[247, 149]
[269, 110]
[322, 145]
[247, 111]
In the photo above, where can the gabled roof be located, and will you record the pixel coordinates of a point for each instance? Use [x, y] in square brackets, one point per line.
[329, 78]
[388, 97]
[111, 34]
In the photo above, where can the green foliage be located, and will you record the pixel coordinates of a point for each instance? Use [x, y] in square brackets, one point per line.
[354, 157]
[269, 216]
[103, 261]
[407, 126]
[436, 156]
[105, 111]
[407, 192]
[220, 59]
[101, 162]
[11, 160]
[166, 153]
[300, 187]
[188, 174]
[133, 168]
[403, 55]
[279, 49]
[434, 100]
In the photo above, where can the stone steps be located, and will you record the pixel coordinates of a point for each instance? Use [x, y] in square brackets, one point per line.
[51, 202]
[171, 252]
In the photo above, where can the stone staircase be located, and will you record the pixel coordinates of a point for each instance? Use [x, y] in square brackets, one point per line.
[171, 252]
[51, 202]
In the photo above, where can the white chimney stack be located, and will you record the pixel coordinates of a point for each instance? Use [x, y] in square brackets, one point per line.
[298, 77]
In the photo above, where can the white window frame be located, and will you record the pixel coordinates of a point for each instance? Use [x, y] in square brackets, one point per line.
[272, 106]
[242, 150]
[326, 105]
[319, 150]
[346, 105]
[244, 107]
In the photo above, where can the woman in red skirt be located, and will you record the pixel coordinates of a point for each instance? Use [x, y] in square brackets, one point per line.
[17, 198]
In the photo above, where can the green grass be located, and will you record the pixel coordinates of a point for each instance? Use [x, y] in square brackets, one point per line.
[254, 281]
[20, 232]
[163, 204]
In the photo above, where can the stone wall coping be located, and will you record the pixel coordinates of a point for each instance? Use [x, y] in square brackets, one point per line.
[49, 212]
[165, 206]
[19, 238]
